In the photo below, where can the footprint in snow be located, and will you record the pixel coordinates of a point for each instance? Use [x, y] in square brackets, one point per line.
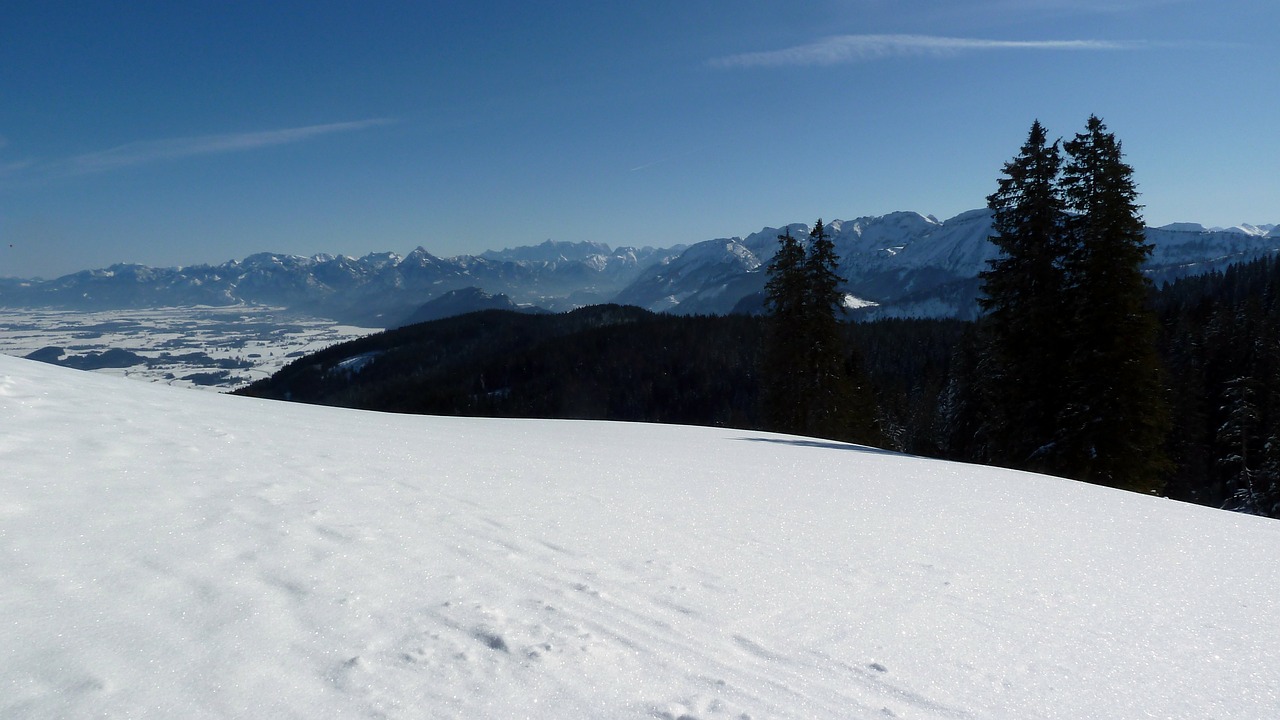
[493, 640]
[585, 588]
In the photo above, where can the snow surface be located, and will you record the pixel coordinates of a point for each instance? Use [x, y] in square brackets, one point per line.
[168, 553]
[179, 342]
[853, 302]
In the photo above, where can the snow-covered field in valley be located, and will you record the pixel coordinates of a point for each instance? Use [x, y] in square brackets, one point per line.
[217, 348]
[174, 554]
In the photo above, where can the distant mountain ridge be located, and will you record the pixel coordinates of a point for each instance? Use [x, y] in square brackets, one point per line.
[375, 290]
[905, 264]
[1242, 229]
[899, 264]
[461, 302]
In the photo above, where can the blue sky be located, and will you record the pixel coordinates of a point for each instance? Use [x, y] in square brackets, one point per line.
[171, 133]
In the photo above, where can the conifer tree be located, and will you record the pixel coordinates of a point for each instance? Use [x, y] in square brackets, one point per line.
[824, 359]
[1113, 429]
[1023, 296]
[1236, 436]
[813, 385]
[1072, 378]
[782, 393]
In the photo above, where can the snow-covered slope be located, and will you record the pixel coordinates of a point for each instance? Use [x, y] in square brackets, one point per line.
[166, 554]
[703, 279]
[1185, 249]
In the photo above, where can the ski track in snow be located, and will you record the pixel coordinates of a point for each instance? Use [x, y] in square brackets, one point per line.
[167, 553]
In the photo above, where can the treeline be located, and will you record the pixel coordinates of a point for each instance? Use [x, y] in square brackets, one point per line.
[599, 362]
[609, 362]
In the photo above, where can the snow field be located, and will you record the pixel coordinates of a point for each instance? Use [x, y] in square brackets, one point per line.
[267, 338]
[167, 553]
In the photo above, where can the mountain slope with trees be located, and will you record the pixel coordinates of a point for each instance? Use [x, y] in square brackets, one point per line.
[1063, 374]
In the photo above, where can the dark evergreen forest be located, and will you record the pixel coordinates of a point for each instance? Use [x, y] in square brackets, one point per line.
[609, 362]
[1219, 343]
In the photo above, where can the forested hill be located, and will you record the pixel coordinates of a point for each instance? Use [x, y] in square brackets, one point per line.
[602, 362]
[1219, 344]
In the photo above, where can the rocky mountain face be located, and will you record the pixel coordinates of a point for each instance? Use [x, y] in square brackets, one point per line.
[900, 264]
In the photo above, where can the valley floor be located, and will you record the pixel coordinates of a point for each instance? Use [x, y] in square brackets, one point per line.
[217, 348]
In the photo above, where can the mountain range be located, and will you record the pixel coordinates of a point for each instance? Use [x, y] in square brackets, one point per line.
[900, 264]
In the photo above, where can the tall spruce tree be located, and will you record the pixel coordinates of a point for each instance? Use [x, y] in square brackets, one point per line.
[783, 394]
[1071, 375]
[1025, 327]
[824, 361]
[1112, 431]
[813, 383]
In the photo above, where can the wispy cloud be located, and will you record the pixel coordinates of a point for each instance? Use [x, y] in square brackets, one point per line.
[663, 160]
[152, 151]
[1086, 6]
[845, 49]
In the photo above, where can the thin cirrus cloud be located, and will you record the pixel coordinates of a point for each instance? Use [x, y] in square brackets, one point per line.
[845, 49]
[153, 151]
